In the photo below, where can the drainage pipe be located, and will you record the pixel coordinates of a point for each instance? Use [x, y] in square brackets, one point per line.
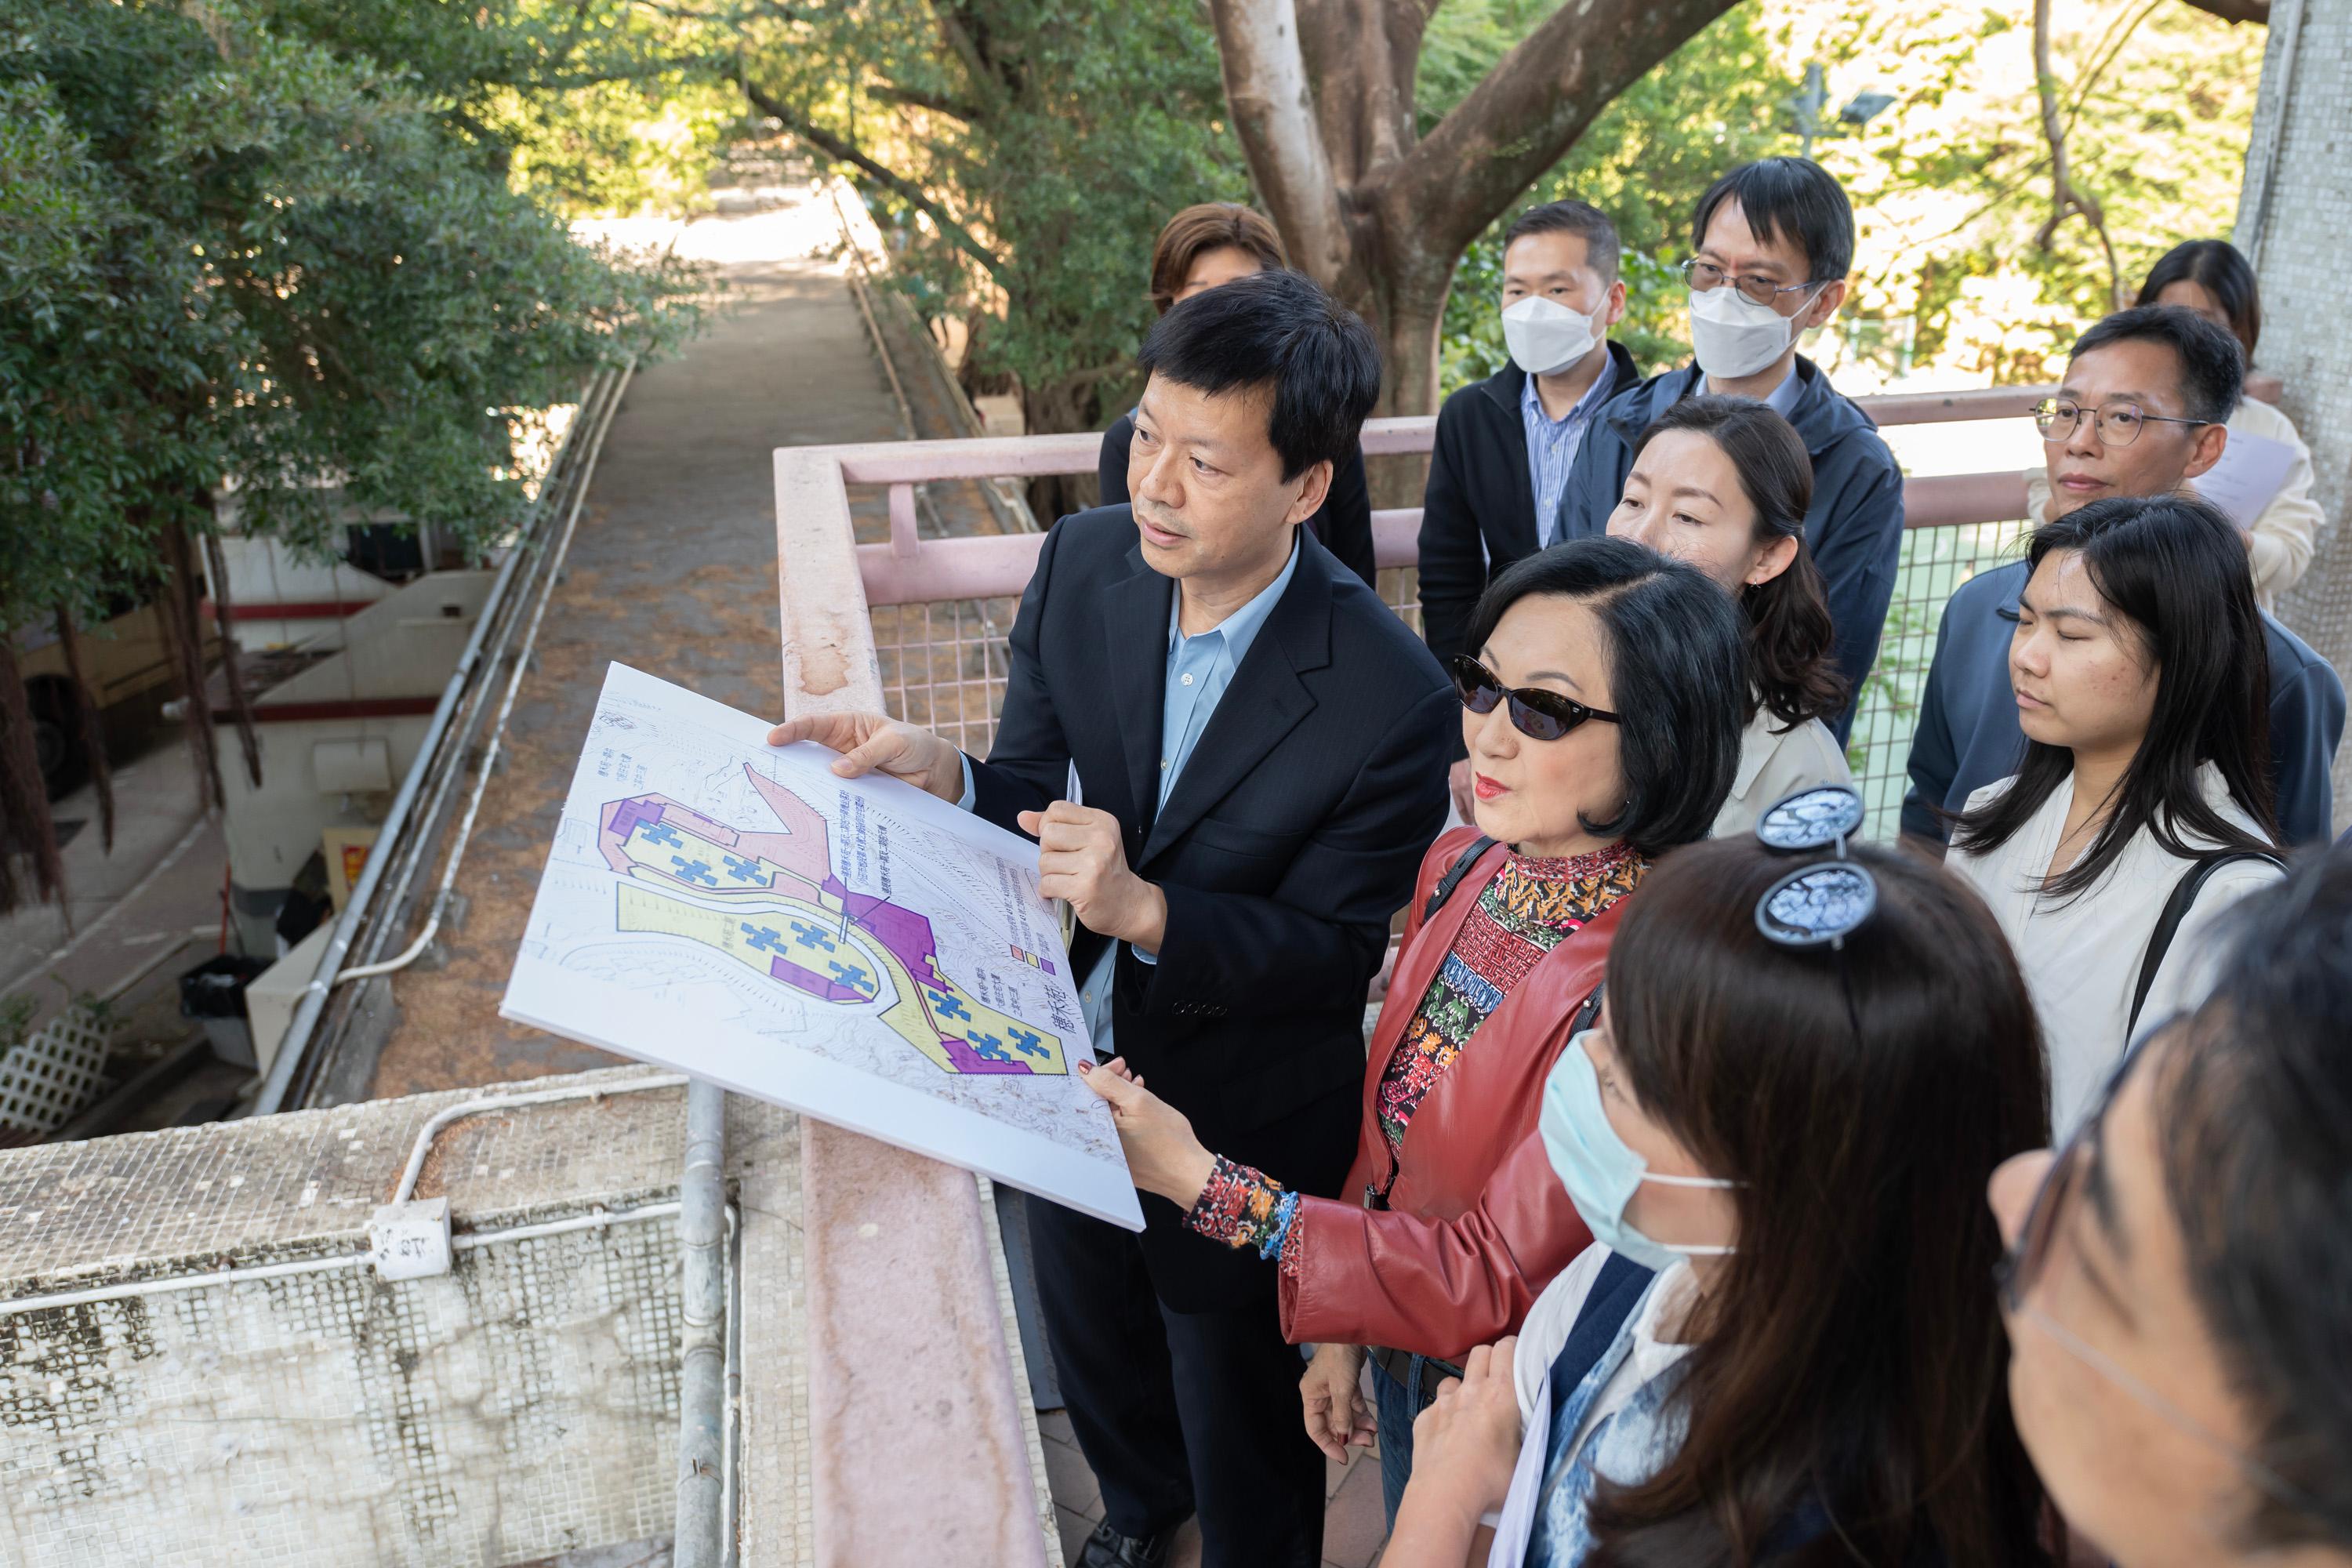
[700, 1538]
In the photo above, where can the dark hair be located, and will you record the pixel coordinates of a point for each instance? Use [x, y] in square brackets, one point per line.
[1851, 1358]
[1795, 199]
[2176, 569]
[1790, 633]
[1205, 226]
[1677, 677]
[2216, 266]
[1582, 219]
[1277, 330]
[2212, 366]
[2251, 1101]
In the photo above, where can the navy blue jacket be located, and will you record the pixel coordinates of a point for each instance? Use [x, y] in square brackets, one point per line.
[1854, 529]
[1968, 735]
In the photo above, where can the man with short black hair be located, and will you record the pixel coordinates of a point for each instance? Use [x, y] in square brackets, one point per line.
[1260, 744]
[2180, 1365]
[1774, 241]
[2142, 411]
[1505, 445]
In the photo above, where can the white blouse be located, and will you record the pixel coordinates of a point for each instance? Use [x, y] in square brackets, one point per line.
[2081, 958]
[1774, 766]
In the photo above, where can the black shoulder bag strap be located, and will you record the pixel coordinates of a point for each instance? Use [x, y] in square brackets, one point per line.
[1453, 879]
[2176, 910]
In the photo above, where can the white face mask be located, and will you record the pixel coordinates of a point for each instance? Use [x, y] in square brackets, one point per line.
[1545, 336]
[1733, 336]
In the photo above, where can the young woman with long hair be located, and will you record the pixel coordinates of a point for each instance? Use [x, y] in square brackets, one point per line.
[1784, 1347]
[2142, 681]
[1724, 483]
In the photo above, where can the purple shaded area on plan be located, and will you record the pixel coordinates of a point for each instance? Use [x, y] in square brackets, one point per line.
[901, 930]
[968, 1060]
[818, 986]
[625, 814]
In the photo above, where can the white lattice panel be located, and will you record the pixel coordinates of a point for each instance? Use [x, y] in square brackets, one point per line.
[46, 1082]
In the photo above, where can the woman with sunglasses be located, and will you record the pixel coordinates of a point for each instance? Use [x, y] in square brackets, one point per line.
[2142, 808]
[1724, 483]
[1602, 715]
[1783, 1346]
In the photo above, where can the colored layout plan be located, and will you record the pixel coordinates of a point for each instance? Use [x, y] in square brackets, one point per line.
[770, 900]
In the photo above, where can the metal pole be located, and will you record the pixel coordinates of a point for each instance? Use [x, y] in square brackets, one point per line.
[699, 1541]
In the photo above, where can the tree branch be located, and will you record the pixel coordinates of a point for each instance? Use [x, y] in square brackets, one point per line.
[2066, 200]
[1532, 108]
[936, 102]
[1274, 114]
[833, 146]
[2255, 11]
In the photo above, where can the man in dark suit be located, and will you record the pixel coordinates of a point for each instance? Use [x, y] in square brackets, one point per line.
[1260, 744]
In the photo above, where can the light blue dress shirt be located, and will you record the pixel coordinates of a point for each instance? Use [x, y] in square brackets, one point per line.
[1552, 444]
[1200, 668]
[1780, 400]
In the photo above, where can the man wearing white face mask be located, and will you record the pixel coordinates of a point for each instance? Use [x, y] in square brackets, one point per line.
[1774, 241]
[1505, 445]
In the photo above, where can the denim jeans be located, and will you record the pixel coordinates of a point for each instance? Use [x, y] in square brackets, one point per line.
[1395, 1407]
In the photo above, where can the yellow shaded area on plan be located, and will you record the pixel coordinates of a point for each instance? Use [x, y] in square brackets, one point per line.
[935, 1016]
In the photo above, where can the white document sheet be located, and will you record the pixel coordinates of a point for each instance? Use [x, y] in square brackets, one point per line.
[853, 949]
[2251, 471]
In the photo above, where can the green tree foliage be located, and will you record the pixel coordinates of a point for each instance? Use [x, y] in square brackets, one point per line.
[274, 249]
[1023, 154]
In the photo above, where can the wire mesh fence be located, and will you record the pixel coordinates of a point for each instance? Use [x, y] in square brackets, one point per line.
[943, 662]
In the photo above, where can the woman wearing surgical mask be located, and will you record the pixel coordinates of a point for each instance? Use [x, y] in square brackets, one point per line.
[1204, 247]
[1784, 1345]
[1601, 714]
[2142, 808]
[1723, 483]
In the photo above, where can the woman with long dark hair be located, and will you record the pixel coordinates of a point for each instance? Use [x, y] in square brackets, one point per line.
[1724, 483]
[1784, 1347]
[1205, 246]
[2142, 808]
[1601, 713]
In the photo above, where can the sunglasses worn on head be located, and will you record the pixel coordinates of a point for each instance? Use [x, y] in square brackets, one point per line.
[1537, 714]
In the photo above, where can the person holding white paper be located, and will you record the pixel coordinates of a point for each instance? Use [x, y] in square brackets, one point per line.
[2263, 479]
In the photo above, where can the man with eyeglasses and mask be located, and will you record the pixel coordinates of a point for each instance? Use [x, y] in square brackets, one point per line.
[2180, 1355]
[1775, 241]
[2141, 413]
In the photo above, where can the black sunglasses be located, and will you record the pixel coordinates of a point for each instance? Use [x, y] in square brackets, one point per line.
[1537, 714]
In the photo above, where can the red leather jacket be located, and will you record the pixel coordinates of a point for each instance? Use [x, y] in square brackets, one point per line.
[1477, 1223]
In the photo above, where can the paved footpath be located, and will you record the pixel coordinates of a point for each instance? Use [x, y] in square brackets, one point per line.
[673, 570]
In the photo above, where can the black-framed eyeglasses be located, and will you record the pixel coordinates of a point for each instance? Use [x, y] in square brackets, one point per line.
[1705, 277]
[2116, 424]
[1826, 902]
[1537, 714]
[2021, 1266]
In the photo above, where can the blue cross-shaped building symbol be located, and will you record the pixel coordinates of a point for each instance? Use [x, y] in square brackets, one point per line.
[660, 833]
[989, 1047]
[849, 974]
[1027, 1044]
[948, 1006]
[744, 870]
[814, 936]
[763, 937]
[693, 871]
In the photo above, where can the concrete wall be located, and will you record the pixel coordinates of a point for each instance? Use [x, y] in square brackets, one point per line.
[2294, 210]
[521, 1407]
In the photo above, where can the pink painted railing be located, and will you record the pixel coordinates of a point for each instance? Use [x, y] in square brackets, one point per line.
[911, 571]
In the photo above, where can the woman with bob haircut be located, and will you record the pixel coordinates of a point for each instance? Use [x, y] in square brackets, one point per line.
[2142, 809]
[1204, 247]
[1784, 1346]
[2211, 278]
[1601, 714]
[1724, 484]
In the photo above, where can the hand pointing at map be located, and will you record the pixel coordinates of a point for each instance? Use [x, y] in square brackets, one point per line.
[1080, 858]
[874, 743]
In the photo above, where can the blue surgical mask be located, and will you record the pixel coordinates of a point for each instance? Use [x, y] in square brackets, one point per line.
[1598, 1171]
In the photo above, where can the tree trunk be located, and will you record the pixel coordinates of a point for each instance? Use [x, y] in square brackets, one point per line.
[1321, 94]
